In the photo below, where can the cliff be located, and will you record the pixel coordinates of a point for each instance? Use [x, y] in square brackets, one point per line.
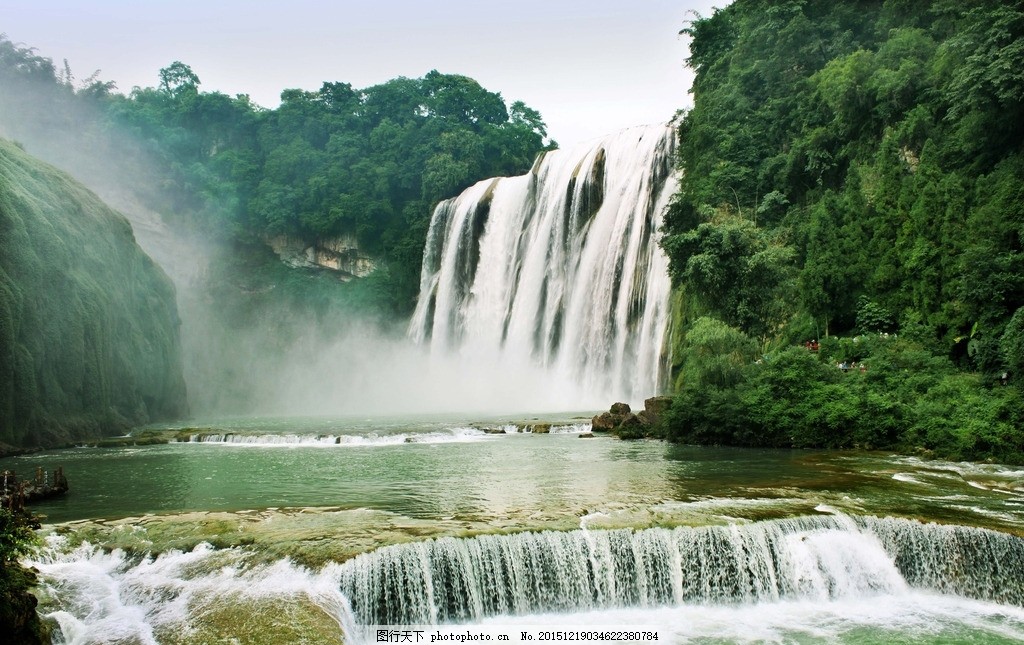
[89, 341]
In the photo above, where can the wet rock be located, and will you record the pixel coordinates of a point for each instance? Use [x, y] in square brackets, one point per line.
[657, 405]
[586, 435]
[620, 421]
[631, 428]
[604, 422]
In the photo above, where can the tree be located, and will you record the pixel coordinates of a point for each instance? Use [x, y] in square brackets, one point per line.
[736, 271]
[715, 354]
[1012, 346]
[178, 79]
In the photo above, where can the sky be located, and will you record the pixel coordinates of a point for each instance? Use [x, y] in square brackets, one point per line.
[590, 67]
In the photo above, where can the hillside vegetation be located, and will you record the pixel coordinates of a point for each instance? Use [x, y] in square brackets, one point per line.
[854, 175]
[88, 324]
[369, 163]
[223, 178]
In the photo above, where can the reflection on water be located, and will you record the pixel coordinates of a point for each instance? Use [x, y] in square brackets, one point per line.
[290, 494]
[536, 479]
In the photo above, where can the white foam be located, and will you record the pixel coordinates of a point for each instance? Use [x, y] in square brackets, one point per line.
[574, 428]
[112, 597]
[904, 477]
[451, 435]
[913, 616]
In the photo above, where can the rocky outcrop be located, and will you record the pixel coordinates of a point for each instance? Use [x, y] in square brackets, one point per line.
[621, 422]
[654, 410]
[340, 254]
[19, 621]
[609, 421]
[18, 616]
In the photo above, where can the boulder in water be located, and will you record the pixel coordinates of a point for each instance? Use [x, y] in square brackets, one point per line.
[631, 428]
[654, 409]
[604, 422]
[621, 422]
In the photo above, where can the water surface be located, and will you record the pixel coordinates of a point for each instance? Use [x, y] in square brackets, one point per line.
[289, 504]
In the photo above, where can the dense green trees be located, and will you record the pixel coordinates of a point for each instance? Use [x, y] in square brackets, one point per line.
[335, 161]
[18, 617]
[338, 160]
[875, 150]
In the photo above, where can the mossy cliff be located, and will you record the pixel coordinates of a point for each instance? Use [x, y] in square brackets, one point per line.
[88, 323]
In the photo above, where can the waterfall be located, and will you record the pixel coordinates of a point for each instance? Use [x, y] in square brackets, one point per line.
[451, 580]
[805, 579]
[558, 271]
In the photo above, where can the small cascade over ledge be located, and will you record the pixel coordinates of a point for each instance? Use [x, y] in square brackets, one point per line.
[558, 274]
[816, 558]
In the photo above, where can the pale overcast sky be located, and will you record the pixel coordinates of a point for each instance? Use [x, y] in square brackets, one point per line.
[591, 67]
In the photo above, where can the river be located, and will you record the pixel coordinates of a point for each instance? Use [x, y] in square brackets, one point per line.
[313, 530]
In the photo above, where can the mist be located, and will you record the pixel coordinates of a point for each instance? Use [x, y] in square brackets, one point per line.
[368, 371]
[278, 359]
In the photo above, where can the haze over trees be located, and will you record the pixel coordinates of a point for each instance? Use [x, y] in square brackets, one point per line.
[336, 161]
[854, 169]
[852, 174]
[88, 323]
[209, 179]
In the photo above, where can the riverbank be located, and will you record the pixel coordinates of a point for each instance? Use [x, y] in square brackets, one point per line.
[907, 399]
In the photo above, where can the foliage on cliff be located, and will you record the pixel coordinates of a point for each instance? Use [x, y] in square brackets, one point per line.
[18, 618]
[88, 324]
[339, 160]
[857, 168]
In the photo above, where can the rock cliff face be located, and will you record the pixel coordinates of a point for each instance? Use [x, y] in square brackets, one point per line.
[340, 254]
[88, 323]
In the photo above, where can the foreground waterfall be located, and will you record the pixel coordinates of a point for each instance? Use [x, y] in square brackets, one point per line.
[808, 558]
[559, 269]
[814, 579]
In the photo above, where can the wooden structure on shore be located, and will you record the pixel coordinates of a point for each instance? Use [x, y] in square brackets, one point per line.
[16, 493]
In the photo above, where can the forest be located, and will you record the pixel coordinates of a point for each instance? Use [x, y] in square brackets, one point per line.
[335, 161]
[847, 244]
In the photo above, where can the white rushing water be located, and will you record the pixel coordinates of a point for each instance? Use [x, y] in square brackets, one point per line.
[452, 435]
[557, 275]
[820, 558]
[818, 579]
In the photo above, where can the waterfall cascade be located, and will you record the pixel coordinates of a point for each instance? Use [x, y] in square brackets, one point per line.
[453, 580]
[820, 578]
[559, 270]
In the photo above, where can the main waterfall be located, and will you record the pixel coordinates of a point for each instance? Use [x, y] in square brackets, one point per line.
[557, 273]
